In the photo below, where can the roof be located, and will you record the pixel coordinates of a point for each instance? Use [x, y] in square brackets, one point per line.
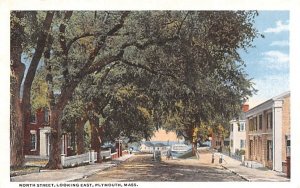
[268, 103]
[148, 144]
[159, 145]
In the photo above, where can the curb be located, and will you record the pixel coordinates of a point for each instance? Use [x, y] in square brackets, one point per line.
[236, 173]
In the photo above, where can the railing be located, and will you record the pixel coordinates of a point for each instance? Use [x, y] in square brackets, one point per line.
[78, 159]
[89, 157]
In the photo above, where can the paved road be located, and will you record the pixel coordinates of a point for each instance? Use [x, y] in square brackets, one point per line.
[142, 168]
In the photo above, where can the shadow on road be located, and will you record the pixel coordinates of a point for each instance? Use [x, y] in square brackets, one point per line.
[143, 168]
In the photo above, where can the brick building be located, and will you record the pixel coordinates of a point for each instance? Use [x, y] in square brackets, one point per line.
[268, 132]
[37, 135]
[217, 140]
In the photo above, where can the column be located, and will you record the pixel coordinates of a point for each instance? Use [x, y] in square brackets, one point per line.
[277, 136]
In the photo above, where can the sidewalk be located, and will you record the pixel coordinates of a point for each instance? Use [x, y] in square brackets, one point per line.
[251, 174]
[69, 174]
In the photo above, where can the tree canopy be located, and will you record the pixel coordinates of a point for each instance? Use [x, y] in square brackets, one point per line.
[140, 70]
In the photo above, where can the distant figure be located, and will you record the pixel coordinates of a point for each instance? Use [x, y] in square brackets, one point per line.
[169, 154]
[221, 159]
[157, 156]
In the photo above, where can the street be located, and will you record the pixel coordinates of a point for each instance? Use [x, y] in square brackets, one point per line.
[143, 168]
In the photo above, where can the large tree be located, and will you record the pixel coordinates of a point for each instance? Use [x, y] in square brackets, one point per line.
[191, 56]
[28, 39]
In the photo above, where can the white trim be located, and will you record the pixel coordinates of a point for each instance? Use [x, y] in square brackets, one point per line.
[277, 136]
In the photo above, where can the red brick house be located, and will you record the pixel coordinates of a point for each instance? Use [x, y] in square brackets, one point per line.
[36, 136]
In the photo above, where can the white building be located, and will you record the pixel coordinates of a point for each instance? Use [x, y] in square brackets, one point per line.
[238, 133]
[237, 136]
[147, 147]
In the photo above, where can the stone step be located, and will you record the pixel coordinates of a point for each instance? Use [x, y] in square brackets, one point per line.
[253, 164]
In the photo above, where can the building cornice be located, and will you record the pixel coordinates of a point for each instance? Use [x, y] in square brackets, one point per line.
[271, 103]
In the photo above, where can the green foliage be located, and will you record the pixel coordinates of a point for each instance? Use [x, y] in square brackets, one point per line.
[141, 70]
[39, 91]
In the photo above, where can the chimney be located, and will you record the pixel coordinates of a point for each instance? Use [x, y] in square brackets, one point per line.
[245, 107]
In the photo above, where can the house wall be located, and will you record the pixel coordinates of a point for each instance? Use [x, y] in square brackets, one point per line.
[257, 139]
[236, 136]
[29, 127]
[147, 149]
[286, 125]
[41, 126]
[216, 141]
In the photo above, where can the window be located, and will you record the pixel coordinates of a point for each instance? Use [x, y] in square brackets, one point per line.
[242, 143]
[46, 115]
[288, 147]
[255, 123]
[270, 120]
[250, 124]
[241, 126]
[260, 122]
[69, 140]
[32, 118]
[33, 140]
[269, 150]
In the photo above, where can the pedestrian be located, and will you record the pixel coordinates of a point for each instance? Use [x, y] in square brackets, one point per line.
[213, 158]
[168, 155]
[221, 159]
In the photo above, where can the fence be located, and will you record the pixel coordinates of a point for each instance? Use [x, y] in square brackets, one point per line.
[89, 157]
[106, 154]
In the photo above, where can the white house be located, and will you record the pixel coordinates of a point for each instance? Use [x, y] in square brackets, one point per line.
[238, 132]
[147, 147]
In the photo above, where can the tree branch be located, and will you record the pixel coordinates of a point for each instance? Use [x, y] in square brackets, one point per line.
[62, 30]
[63, 44]
[68, 87]
[155, 72]
[41, 43]
[180, 26]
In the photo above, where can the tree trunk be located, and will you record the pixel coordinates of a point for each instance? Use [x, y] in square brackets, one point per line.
[194, 148]
[16, 126]
[17, 72]
[80, 136]
[95, 138]
[55, 140]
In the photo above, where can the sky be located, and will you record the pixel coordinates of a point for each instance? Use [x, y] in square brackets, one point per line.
[268, 63]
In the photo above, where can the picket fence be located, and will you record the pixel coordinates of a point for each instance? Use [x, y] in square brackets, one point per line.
[89, 157]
